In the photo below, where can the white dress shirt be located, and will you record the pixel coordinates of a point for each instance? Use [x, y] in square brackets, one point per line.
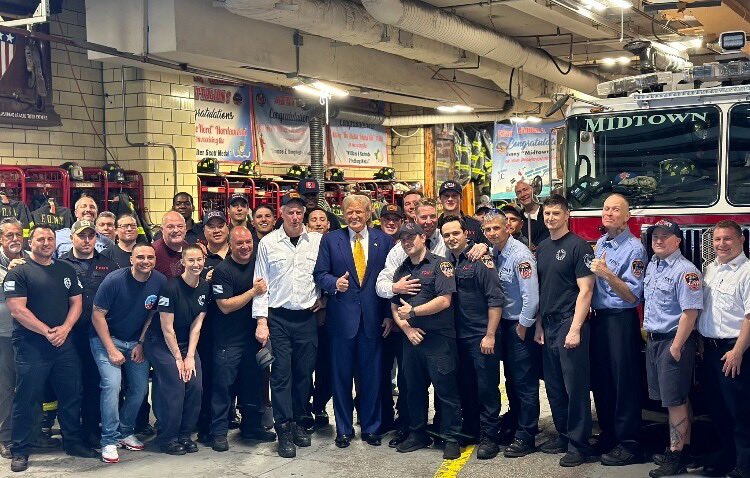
[287, 271]
[396, 257]
[726, 298]
[365, 241]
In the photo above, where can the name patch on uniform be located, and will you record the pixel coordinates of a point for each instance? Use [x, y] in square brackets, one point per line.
[638, 267]
[446, 268]
[218, 289]
[560, 254]
[164, 301]
[524, 268]
[487, 260]
[693, 281]
[9, 286]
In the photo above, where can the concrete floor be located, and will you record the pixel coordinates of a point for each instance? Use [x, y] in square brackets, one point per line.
[322, 459]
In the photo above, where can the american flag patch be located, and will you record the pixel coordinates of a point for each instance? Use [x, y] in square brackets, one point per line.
[218, 289]
[164, 301]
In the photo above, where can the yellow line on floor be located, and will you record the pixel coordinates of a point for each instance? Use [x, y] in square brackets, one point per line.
[450, 468]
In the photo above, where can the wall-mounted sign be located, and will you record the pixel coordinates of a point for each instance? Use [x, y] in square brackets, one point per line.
[223, 125]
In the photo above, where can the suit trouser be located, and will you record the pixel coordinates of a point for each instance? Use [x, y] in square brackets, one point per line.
[615, 377]
[434, 360]
[567, 380]
[479, 385]
[728, 402]
[176, 403]
[365, 355]
[393, 350]
[236, 363]
[62, 367]
[294, 337]
[522, 363]
[7, 387]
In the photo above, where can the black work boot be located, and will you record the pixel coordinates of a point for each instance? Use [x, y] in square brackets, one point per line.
[671, 464]
[488, 448]
[286, 442]
[300, 436]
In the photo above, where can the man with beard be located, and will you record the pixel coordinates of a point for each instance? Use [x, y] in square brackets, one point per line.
[127, 235]
[168, 248]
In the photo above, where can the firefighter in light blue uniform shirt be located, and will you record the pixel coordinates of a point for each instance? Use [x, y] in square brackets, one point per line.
[619, 264]
[521, 356]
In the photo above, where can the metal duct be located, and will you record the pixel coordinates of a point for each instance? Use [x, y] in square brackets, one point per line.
[349, 22]
[431, 22]
[317, 153]
[419, 120]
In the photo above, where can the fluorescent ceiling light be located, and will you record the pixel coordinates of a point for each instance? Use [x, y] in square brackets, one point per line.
[609, 61]
[594, 5]
[318, 88]
[624, 4]
[518, 120]
[306, 90]
[533, 119]
[455, 109]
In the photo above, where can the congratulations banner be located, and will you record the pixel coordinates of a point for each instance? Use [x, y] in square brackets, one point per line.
[223, 125]
[522, 151]
[358, 144]
[283, 133]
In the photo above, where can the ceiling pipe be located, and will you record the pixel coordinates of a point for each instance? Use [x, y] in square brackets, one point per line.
[431, 22]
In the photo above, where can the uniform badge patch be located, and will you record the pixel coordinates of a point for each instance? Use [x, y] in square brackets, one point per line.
[9, 286]
[487, 260]
[67, 282]
[201, 300]
[560, 254]
[150, 302]
[446, 268]
[218, 289]
[524, 268]
[693, 281]
[588, 259]
[638, 267]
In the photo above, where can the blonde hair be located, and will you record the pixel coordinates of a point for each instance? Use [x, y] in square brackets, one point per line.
[360, 199]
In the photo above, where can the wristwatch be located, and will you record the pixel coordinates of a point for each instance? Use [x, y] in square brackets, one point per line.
[412, 314]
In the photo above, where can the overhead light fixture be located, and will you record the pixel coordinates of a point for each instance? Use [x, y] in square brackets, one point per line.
[525, 119]
[686, 44]
[320, 89]
[620, 60]
[594, 5]
[533, 119]
[455, 109]
[624, 4]
[518, 120]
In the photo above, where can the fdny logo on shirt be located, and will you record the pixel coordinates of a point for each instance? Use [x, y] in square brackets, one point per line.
[487, 260]
[201, 300]
[524, 268]
[150, 302]
[446, 268]
[560, 254]
[588, 259]
[218, 289]
[9, 286]
[693, 281]
[638, 267]
[164, 301]
[67, 282]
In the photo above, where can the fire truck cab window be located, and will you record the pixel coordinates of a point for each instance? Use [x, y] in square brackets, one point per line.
[738, 174]
[656, 158]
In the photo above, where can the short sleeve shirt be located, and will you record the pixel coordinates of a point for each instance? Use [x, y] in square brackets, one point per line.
[231, 279]
[119, 256]
[168, 260]
[726, 298]
[560, 263]
[128, 302]
[436, 276]
[47, 289]
[626, 258]
[671, 286]
[185, 302]
[477, 288]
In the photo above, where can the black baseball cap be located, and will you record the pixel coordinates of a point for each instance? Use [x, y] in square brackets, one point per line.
[214, 214]
[508, 208]
[292, 196]
[667, 225]
[308, 186]
[238, 197]
[410, 229]
[392, 210]
[450, 186]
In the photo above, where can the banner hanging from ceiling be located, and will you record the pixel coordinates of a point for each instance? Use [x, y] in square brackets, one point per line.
[522, 152]
[282, 129]
[223, 122]
[356, 144]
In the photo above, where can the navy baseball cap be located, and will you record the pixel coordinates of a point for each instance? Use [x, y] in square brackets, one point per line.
[410, 229]
[512, 210]
[238, 197]
[214, 214]
[450, 186]
[292, 196]
[308, 186]
[667, 225]
[392, 210]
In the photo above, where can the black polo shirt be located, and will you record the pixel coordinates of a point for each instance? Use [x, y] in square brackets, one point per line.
[477, 288]
[560, 263]
[473, 229]
[436, 277]
[91, 273]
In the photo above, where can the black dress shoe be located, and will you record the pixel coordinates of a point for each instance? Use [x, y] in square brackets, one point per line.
[621, 456]
[19, 463]
[81, 450]
[259, 434]
[554, 446]
[173, 448]
[398, 437]
[189, 445]
[321, 420]
[343, 441]
[518, 448]
[452, 450]
[414, 442]
[204, 438]
[145, 430]
[219, 444]
[371, 439]
[300, 436]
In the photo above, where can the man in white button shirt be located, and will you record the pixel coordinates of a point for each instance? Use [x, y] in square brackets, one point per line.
[725, 327]
[285, 314]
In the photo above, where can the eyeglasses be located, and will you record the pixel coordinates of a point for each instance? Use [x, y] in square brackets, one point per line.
[127, 226]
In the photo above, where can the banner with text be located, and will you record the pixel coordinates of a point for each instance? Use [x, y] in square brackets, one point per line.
[283, 133]
[223, 125]
[522, 151]
[359, 144]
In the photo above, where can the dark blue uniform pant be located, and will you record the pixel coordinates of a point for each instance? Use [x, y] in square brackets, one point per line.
[522, 364]
[90, 380]
[294, 338]
[567, 381]
[393, 350]
[206, 351]
[322, 391]
[728, 399]
[434, 360]
[236, 363]
[479, 385]
[360, 357]
[176, 403]
[615, 375]
[62, 368]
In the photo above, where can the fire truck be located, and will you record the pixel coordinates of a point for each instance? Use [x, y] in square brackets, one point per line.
[675, 144]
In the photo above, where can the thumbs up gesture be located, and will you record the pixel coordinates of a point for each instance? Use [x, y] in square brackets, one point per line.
[342, 283]
[599, 266]
[404, 310]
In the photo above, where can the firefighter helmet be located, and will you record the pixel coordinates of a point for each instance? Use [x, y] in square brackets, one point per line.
[208, 166]
[385, 174]
[247, 168]
[114, 172]
[75, 171]
[334, 174]
[295, 172]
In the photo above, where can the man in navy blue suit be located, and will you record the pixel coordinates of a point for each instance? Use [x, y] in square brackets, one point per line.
[348, 265]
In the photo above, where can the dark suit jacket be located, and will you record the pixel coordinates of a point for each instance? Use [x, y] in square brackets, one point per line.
[345, 310]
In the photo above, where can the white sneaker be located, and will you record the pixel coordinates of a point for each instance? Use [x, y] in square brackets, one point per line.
[130, 442]
[109, 454]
